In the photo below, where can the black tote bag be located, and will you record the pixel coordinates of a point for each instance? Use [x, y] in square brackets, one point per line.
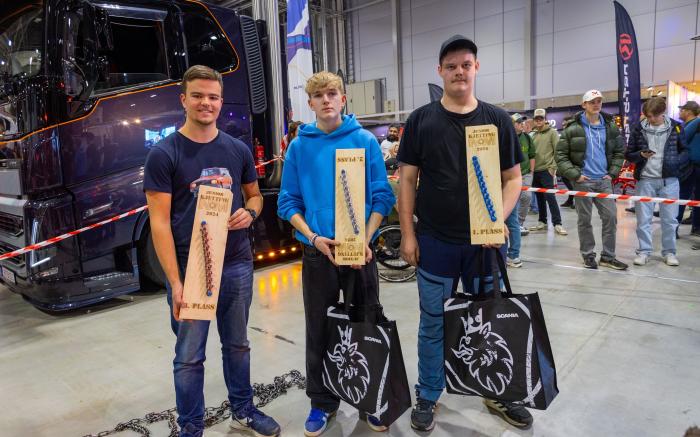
[363, 364]
[496, 345]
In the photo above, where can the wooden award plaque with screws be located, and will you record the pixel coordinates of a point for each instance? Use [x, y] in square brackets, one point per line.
[207, 249]
[486, 219]
[350, 206]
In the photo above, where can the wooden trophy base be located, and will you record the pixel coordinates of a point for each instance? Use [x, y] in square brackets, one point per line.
[207, 249]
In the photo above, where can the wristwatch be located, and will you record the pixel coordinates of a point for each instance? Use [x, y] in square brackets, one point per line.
[252, 213]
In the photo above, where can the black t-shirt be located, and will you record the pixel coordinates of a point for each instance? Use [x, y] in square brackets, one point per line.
[434, 141]
[176, 161]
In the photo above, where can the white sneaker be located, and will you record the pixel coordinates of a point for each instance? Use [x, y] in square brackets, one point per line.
[514, 262]
[539, 227]
[524, 231]
[641, 259]
[559, 229]
[671, 260]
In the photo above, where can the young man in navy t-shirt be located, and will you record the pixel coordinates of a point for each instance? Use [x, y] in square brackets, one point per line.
[173, 167]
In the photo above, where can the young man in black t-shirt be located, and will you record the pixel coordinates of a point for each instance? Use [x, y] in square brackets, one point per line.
[174, 168]
[434, 144]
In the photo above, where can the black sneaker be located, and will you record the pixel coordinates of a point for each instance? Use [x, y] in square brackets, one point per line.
[516, 415]
[613, 263]
[695, 232]
[422, 415]
[589, 262]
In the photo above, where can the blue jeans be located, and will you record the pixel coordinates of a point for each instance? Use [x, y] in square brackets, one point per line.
[513, 223]
[440, 267]
[232, 311]
[657, 187]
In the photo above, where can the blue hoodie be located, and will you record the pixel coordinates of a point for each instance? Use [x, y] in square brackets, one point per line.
[595, 163]
[309, 172]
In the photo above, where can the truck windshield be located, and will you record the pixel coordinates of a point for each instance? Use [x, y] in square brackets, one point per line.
[21, 38]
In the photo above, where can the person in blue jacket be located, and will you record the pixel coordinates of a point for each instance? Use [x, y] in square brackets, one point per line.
[690, 182]
[307, 201]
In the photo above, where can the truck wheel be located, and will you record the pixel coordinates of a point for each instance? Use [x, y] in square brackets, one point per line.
[149, 266]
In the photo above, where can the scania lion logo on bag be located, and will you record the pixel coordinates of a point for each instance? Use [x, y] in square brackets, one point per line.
[486, 353]
[353, 372]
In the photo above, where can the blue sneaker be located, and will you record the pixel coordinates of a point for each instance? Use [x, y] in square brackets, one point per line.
[317, 422]
[372, 422]
[252, 419]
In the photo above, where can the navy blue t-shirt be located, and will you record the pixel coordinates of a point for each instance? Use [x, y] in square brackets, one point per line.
[176, 161]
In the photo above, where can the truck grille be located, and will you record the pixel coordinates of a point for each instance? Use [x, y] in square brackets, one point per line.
[11, 224]
[16, 261]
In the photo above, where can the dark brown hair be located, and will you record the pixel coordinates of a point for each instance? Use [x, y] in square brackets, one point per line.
[654, 106]
[201, 72]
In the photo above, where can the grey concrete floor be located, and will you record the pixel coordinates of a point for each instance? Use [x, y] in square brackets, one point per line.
[626, 345]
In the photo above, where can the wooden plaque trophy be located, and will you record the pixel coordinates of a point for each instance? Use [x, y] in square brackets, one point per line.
[207, 248]
[484, 185]
[350, 206]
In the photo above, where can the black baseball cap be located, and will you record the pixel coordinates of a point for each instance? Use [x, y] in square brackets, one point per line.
[691, 105]
[456, 42]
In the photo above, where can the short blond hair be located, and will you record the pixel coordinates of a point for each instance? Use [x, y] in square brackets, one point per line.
[323, 80]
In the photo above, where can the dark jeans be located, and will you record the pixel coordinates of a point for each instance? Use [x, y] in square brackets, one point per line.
[232, 311]
[322, 283]
[440, 269]
[543, 179]
[690, 189]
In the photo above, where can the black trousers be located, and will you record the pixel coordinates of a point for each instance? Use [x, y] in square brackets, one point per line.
[543, 179]
[322, 284]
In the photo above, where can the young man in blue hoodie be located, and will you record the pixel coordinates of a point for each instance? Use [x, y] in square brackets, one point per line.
[434, 144]
[307, 201]
[590, 153]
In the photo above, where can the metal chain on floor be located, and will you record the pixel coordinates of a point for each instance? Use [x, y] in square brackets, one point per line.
[265, 393]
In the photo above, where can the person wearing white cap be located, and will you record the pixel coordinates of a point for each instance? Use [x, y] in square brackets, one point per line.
[590, 153]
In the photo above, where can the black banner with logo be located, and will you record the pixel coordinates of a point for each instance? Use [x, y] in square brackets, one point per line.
[628, 87]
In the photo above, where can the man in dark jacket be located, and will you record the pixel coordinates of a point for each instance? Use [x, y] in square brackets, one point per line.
[590, 153]
[657, 147]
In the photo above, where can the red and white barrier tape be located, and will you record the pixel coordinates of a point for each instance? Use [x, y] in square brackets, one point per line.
[54, 240]
[614, 196]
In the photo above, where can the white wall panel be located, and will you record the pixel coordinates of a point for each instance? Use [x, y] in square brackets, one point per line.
[672, 4]
[486, 8]
[544, 16]
[676, 62]
[570, 14]
[543, 49]
[543, 81]
[580, 33]
[514, 55]
[514, 24]
[490, 87]
[510, 5]
[675, 26]
[491, 59]
[489, 30]
[513, 82]
[577, 77]
[582, 43]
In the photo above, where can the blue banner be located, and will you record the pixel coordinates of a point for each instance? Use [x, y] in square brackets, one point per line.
[299, 59]
[628, 86]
